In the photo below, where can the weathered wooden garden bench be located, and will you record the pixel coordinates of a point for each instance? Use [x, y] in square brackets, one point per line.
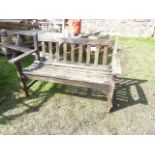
[83, 62]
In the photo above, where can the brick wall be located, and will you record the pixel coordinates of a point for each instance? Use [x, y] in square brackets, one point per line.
[130, 28]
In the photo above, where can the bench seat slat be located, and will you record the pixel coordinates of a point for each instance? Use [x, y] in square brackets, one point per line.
[96, 86]
[78, 74]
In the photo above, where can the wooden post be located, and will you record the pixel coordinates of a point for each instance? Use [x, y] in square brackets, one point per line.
[110, 94]
[96, 55]
[43, 49]
[72, 53]
[50, 50]
[88, 55]
[17, 43]
[105, 55]
[4, 40]
[21, 78]
[65, 52]
[35, 40]
[57, 51]
[80, 53]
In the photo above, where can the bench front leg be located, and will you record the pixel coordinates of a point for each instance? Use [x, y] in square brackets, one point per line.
[110, 98]
[110, 93]
[21, 78]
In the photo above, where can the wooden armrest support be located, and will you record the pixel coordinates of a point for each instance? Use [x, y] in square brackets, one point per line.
[116, 67]
[22, 32]
[14, 60]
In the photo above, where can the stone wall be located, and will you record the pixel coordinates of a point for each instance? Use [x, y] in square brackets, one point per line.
[130, 28]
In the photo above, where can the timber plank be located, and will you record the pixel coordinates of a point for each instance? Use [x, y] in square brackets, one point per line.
[72, 53]
[99, 87]
[53, 37]
[50, 50]
[70, 74]
[17, 48]
[64, 52]
[96, 56]
[80, 53]
[75, 65]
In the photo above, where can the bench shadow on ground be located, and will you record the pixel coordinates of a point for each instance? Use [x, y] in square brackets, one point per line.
[123, 97]
[35, 101]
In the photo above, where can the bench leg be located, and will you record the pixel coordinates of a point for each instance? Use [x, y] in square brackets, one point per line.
[22, 79]
[109, 104]
[24, 86]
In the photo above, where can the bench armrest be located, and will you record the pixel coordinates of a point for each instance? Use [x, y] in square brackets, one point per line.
[116, 67]
[18, 58]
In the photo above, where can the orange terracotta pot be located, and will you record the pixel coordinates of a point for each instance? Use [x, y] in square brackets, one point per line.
[75, 26]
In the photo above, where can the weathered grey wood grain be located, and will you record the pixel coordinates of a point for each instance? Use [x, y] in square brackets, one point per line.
[68, 70]
[75, 65]
[88, 55]
[18, 58]
[65, 52]
[69, 73]
[36, 46]
[16, 48]
[105, 56]
[24, 33]
[96, 55]
[80, 58]
[18, 40]
[43, 49]
[72, 53]
[50, 49]
[57, 52]
[103, 88]
[50, 37]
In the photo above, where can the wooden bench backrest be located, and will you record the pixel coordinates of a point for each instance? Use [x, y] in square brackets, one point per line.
[76, 50]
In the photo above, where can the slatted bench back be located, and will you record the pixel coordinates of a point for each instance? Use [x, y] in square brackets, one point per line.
[76, 50]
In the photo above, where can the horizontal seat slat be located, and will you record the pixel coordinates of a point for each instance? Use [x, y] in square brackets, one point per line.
[96, 86]
[74, 74]
[70, 70]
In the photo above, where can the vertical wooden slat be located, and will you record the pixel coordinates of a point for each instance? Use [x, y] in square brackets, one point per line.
[17, 43]
[96, 55]
[4, 39]
[80, 53]
[88, 54]
[65, 52]
[57, 52]
[43, 48]
[105, 56]
[18, 40]
[35, 40]
[72, 53]
[50, 49]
